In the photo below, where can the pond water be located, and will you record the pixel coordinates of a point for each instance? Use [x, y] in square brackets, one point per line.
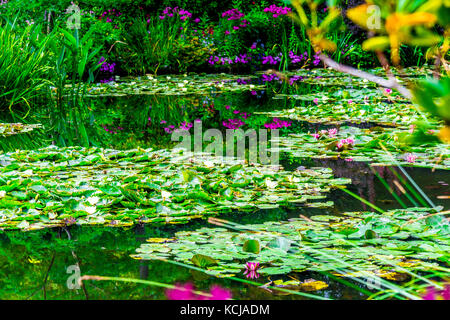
[34, 264]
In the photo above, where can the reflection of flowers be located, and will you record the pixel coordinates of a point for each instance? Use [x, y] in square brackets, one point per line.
[186, 292]
[251, 270]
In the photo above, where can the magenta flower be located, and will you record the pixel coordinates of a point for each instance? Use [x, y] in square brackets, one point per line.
[433, 294]
[186, 292]
[251, 270]
[181, 292]
[219, 293]
[316, 100]
[388, 91]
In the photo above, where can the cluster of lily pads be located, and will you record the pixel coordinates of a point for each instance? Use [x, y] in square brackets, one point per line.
[9, 129]
[391, 245]
[377, 145]
[62, 186]
[324, 112]
[174, 85]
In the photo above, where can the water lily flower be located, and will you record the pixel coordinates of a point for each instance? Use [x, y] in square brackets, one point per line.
[316, 100]
[251, 270]
[332, 132]
[411, 158]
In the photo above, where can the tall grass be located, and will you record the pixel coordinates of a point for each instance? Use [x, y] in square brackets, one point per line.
[74, 62]
[151, 44]
[24, 70]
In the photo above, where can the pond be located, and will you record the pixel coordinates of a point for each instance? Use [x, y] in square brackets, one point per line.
[40, 261]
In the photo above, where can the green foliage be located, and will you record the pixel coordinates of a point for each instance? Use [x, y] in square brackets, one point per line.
[24, 70]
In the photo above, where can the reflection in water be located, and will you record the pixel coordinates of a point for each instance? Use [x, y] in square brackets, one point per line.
[366, 184]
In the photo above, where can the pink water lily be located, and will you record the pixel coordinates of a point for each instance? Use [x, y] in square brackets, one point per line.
[332, 132]
[411, 158]
[251, 270]
[345, 144]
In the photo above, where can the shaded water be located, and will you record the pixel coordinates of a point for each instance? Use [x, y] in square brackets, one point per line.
[34, 265]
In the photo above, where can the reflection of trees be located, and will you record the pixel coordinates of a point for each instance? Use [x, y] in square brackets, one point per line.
[367, 185]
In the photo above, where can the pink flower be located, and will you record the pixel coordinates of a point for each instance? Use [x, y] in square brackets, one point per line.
[411, 158]
[332, 132]
[388, 91]
[227, 32]
[316, 100]
[315, 135]
[251, 270]
[350, 141]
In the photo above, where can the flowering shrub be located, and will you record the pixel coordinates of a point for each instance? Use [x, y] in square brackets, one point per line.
[175, 12]
[232, 14]
[277, 123]
[277, 11]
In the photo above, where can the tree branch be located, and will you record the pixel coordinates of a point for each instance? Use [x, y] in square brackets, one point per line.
[387, 83]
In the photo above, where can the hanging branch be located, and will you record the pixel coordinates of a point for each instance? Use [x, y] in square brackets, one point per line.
[387, 83]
